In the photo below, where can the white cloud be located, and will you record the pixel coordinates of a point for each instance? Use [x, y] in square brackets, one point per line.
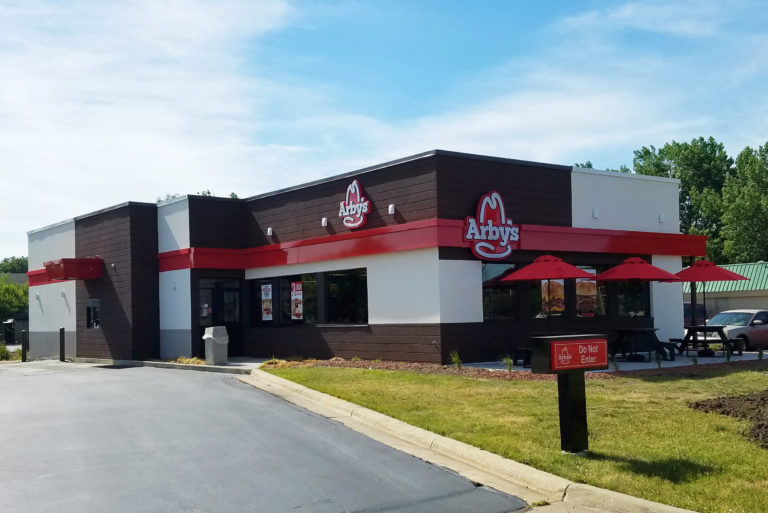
[698, 18]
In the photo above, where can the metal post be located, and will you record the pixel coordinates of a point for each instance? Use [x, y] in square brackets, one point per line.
[571, 395]
[61, 344]
[24, 345]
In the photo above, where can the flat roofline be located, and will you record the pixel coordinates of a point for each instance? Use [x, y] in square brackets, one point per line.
[51, 226]
[411, 158]
[114, 207]
[619, 174]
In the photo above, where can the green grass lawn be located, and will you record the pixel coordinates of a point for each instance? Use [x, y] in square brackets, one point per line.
[644, 439]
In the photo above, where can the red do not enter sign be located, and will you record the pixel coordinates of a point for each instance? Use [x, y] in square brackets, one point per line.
[579, 354]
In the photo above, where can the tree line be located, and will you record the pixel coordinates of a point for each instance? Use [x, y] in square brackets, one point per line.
[723, 198]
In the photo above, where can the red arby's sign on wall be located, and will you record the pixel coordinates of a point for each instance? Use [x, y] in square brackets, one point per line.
[493, 234]
[354, 210]
[579, 354]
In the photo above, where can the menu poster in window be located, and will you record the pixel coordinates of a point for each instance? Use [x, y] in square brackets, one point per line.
[552, 296]
[586, 297]
[297, 301]
[266, 302]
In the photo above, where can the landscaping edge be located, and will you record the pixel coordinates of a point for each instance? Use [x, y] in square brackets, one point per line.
[531, 484]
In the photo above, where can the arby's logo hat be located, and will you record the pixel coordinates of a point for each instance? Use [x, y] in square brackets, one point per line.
[354, 210]
[494, 235]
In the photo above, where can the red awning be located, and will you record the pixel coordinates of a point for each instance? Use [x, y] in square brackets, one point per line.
[74, 268]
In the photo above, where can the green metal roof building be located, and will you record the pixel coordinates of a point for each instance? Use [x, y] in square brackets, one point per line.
[732, 295]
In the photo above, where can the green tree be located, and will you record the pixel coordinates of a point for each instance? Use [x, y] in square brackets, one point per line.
[702, 166]
[13, 298]
[14, 265]
[745, 211]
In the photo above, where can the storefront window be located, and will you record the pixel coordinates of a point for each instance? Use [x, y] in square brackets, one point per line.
[500, 299]
[298, 299]
[548, 298]
[92, 314]
[347, 296]
[631, 298]
[590, 298]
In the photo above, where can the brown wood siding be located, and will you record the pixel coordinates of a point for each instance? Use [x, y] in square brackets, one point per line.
[217, 223]
[532, 193]
[128, 292]
[399, 342]
[145, 282]
[107, 235]
[479, 342]
[296, 215]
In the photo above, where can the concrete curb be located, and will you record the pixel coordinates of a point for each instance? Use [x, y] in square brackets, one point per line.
[163, 365]
[490, 469]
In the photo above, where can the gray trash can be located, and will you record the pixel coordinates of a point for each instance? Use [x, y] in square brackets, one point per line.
[216, 345]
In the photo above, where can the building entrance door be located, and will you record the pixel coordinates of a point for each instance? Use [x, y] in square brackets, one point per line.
[220, 305]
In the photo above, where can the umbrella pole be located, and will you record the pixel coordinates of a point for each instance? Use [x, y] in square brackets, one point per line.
[704, 293]
[549, 307]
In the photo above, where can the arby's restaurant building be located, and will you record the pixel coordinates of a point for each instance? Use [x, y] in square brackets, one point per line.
[398, 261]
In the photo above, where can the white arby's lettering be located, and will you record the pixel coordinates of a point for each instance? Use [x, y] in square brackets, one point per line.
[354, 210]
[493, 234]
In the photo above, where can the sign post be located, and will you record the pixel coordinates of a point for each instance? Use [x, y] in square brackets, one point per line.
[569, 356]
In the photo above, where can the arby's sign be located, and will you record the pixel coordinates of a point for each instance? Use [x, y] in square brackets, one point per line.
[354, 210]
[492, 233]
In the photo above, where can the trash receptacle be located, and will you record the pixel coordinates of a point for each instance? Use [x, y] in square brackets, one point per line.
[216, 345]
[8, 333]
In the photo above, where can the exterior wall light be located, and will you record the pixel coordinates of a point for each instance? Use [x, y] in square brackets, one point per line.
[661, 217]
[595, 213]
[324, 222]
[391, 209]
[269, 232]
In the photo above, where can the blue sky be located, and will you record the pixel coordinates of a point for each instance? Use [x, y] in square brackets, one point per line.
[104, 102]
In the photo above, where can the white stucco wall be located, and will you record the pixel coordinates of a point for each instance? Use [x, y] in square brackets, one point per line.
[403, 287]
[623, 201]
[175, 300]
[175, 315]
[51, 243]
[52, 306]
[461, 290]
[667, 299]
[173, 225]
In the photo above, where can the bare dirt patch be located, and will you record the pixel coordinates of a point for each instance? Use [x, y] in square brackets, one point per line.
[752, 407]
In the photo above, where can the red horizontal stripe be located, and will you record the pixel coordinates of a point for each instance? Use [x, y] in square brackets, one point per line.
[40, 277]
[429, 234]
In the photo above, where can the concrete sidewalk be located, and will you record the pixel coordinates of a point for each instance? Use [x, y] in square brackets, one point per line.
[555, 494]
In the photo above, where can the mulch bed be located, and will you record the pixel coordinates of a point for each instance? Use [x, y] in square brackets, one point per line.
[690, 371]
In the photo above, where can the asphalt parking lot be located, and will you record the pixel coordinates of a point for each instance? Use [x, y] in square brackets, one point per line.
[84, 438]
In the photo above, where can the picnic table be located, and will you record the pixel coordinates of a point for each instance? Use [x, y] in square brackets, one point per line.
[634, 341]
[692, 340]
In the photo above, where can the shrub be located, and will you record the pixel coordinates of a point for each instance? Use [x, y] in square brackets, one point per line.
[509, 362]
[4, 353]
[455, 360]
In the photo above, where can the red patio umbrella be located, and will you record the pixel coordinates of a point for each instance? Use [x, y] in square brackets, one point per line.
[635, 268]
[548, 267]
[704, 271]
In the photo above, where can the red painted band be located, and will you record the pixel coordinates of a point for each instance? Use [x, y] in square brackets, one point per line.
[430, 233]
[40, 277]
